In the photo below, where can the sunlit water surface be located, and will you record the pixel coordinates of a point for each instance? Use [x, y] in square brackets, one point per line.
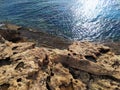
[72, 19]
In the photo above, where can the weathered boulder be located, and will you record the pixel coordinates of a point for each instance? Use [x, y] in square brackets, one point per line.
[23, 66]
[92, 58]
[80, 66]
[61, 79]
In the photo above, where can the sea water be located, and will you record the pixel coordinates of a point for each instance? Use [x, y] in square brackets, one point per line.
[72, 19]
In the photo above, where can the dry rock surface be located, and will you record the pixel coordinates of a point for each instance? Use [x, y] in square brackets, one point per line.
[79, 66]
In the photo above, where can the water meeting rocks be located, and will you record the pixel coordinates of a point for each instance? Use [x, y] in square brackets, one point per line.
[80, 66]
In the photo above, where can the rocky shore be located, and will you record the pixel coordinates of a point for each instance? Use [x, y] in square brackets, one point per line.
[31, 60]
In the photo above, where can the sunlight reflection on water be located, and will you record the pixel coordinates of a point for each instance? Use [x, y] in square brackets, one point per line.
[73, 19]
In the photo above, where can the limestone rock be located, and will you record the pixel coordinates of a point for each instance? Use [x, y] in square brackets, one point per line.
[61, 79]
[90, 58]
[103, 84]
[28, 68]
[81, 66]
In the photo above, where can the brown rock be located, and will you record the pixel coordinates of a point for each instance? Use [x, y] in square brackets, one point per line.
[88, 58]
[83, 66]
[61, 79]
[29, 68]
[103, 84]
[10, 35]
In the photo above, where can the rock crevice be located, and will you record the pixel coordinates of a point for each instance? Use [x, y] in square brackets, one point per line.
[79, 66]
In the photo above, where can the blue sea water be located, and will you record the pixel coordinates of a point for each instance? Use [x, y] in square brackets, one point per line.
[72, 19]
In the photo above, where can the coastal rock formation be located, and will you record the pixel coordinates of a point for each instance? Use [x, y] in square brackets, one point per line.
[79, 66]
[24, 66]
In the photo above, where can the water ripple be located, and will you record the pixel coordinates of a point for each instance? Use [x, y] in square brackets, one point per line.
[73, 19]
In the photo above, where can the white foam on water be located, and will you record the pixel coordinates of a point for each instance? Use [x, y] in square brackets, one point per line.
[1, 25]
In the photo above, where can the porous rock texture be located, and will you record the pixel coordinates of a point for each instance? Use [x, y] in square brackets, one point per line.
[80, 66]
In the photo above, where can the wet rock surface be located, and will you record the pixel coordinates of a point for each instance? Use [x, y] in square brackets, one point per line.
[78, 66]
